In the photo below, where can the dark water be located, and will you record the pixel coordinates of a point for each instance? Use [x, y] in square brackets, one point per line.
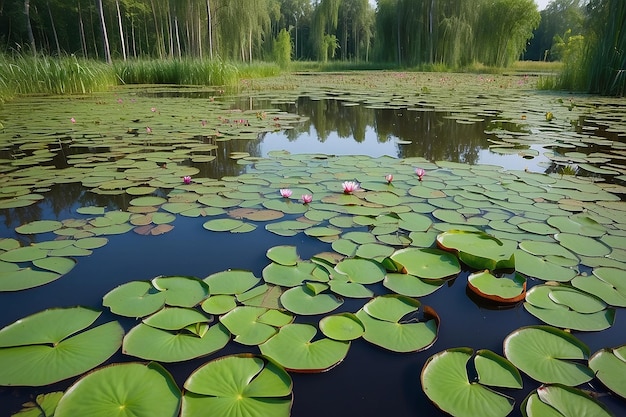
[370, 381]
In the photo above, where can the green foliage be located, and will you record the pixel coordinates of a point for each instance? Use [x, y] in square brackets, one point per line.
[177, 71]
[282, 49]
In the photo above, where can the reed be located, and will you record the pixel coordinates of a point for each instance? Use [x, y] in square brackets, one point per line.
[21, 74]
[186, 71]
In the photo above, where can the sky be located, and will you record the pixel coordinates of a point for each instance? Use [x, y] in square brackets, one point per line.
[541, 3]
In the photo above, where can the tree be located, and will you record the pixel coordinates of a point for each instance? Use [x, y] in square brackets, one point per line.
[556, 19]
[103, 29]
[29, 28]
[282, 49]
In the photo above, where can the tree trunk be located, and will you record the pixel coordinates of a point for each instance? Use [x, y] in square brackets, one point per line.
[54, 30]
[208, 11]
[81, 27]
[29, 28]
[119, 22]
[105, 36]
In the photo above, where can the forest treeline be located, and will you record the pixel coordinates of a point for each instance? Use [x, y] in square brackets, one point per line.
[431, 34]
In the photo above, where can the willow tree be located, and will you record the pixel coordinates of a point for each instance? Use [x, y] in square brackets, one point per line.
[325, 19]
[504, 27]
[457, 22]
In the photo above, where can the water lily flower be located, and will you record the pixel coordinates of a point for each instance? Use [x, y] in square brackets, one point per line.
[203, 122]
[153, 109]
[285, 192]
[73, 120]
[420, 173]
[148, 129]
[389, 178]
[187, 179]
[307, 198]
[350, 186]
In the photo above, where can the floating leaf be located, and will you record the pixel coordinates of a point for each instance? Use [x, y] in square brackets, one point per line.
[427, 263]
[446, 372]
[478, 249]
[344, 326]
[120, 390]
[609, 365]
[548, 355]
[39, 226]
[292, 347]
[38, 350]
[559, 400]
[383, 326]
[499, 289]
[242, 385]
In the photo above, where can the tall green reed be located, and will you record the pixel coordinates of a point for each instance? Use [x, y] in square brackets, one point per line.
[186, 71]
[23, 74]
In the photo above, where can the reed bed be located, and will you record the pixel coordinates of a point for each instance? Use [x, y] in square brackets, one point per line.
[22, 74]
[177, 71]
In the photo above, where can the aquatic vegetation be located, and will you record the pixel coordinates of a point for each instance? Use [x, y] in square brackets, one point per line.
[388, 251]
[350, 186]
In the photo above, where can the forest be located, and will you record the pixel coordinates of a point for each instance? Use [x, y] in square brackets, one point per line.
[422, 34]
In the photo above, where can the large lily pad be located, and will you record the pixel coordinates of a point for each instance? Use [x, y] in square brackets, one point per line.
[503, 289]
[446, 372]
[239, 385]
[478, 249]
[294, 349]
[563, 306]
[549, 355]
[426, 263]
[40, 349]
[391, 322]
[120, 390]
[559, 400]
[609, 364]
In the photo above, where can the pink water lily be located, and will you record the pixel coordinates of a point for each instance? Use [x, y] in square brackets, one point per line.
[420, 173]
[389, 178]
[187, 179]
[307, 198]
[350, 186]
[153, 109]
[286, 192]
[73, 120]
[148, 129]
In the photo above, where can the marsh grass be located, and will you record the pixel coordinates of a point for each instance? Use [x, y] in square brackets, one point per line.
[177, 71]
[23, 74]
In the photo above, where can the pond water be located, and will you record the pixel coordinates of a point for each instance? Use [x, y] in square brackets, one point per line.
[79, 152]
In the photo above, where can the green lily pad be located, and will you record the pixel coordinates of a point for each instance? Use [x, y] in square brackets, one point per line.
[446, 372]
[231, 282]
[147, 342]
[548, 355]
[569, 308]
[498, 289]
[17, 279]
[558, 400]
[181, 291]
[248, 326]
[222, 225]
[609, 365]
[384, 326]
[306, 301]
[344, 326]
[39, 226]
[40, 349]
[410, 285]
[283, 255]
[55, 264]
[241, 385]
[427, 263]
[582, 245]
[134, 299]
[219, 304]
[478, 249]
[120, 390]
[292, 347]
[289, 276]
[23, 254]
[44, 405]
[362, 271]
[606, 283]
[537, 267]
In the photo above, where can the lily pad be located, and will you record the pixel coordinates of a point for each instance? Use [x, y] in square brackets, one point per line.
[241, 385]
[292, 347]
[446, 372]
[559, 400]
[40, 349]
[609, 364]
[391, 322]
[305, 300]
[427, 263]
[548, 355]
[248, 326]
[134, 299]
[39, 226]
[503, 289]
[344, 326]
[120, 390]
[283, 255]
[479, 250]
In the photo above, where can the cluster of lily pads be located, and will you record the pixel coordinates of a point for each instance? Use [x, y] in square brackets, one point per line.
[411, 234]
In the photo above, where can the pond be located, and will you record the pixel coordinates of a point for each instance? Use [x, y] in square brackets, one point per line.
[153, 196]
